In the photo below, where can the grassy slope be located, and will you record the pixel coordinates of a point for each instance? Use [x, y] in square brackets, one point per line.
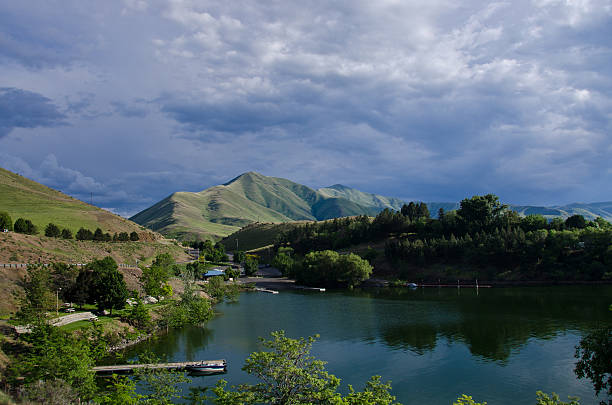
[362, 198]
[22, 197]
[257, 235]
[221, 210]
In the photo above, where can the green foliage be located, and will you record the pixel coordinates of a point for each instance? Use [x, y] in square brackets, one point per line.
[251, 265]
[284, 263]
[575, 221]
[595, 360]
[190, 309]
[288, 374]
[107, 286]
[219, 290]
[84, 234]
[139, 316]
[153, 279]
[121, 390]
[52, 231]
[5, 221]
[37, 298]
[553, 399]
[25, 226]
[134, 236]
[239, 256]
[328, 268]
[66, 233]
[161, 386]
[480, 212]
[467, 400]
[54, 354]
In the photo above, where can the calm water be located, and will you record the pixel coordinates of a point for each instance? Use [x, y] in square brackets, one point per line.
[499, 345]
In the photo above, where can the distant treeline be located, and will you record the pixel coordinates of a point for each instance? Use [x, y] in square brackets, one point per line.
[482, 235]
[53, 231]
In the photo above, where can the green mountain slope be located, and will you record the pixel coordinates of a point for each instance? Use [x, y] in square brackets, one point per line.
[22, 197]
[248, 198]
[362, 198]
[252, 197]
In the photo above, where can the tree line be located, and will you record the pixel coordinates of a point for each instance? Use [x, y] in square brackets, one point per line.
[483, 235]
[25, 226]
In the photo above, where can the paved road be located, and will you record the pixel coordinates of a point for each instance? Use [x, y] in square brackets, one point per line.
[61, 321]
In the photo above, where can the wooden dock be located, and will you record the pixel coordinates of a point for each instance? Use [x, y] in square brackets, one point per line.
[182, 366]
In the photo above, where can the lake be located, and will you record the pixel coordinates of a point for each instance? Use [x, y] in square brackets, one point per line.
[499, 345]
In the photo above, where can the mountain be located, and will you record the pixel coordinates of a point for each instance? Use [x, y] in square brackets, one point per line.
[251, 197]
[362, 198]
[589, 211]
[22, 197]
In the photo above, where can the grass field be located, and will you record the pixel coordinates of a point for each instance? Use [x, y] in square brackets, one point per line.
[24, 198]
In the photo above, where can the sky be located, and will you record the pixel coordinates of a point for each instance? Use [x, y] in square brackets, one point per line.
[430, 100]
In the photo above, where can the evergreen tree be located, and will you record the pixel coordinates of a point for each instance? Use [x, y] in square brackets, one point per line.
[5, 221]
[66, 233]
[52, 231]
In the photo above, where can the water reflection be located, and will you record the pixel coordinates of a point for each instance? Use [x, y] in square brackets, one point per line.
[498, 341]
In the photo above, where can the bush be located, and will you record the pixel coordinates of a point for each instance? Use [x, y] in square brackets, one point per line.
[84, 234]
[25, 226]
[134, 236]
[52, 231]
[66, 233]
[5, 221]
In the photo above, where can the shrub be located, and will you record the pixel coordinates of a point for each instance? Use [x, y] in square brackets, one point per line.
[5, 221]
[66, 233]
[52, 231]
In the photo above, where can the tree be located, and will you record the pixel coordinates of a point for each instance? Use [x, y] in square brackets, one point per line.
[288, 375]
[108, 287]
[66, 233]
[239, 256]
[98, 235]
[575, 221]
[52, 231]
[5, 221]
[84, 234]
[139, 316]
[283, 262]
[479, 212]
[153, 279]
[595, 360]
[25, 226]
[134, 236]
[251, 265]
[37, 298]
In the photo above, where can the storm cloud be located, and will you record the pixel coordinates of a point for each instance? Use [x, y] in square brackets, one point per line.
[431, 100]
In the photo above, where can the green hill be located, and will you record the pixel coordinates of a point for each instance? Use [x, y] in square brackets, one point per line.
[251, 197]
[22, 197]
[254, 198]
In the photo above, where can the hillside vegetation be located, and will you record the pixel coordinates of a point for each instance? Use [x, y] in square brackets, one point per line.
[24, 198]
[249, 198]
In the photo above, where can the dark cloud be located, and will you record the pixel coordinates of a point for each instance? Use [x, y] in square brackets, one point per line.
[425, 100]
[26, 109]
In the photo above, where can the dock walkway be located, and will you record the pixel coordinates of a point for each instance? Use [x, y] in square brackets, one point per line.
[128, 368]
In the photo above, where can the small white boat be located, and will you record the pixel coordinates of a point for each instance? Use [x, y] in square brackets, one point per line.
[411, 285]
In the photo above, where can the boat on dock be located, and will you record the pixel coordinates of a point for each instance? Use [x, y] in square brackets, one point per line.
[208, 367]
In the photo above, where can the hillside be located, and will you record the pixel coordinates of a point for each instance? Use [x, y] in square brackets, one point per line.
[251, 197]
[22, 197]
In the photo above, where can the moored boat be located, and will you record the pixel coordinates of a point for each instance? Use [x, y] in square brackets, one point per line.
[208, 367]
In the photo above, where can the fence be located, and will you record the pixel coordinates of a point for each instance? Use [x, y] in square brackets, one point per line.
[22, 265]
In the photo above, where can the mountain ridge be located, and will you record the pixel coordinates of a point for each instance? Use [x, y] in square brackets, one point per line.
[253, 197]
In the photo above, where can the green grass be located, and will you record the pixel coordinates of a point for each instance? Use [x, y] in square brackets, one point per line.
[25, 198]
